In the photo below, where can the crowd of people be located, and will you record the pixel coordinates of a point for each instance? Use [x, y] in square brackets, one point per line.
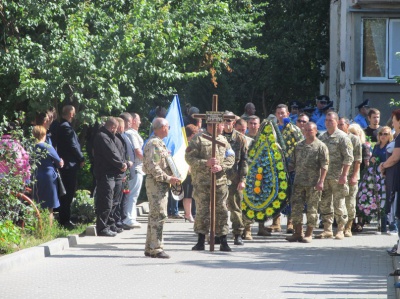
[342, 173]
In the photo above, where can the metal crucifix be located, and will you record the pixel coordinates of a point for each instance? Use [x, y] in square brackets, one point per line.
[213, 117]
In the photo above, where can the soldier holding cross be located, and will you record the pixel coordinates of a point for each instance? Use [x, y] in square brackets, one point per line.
[199, 157]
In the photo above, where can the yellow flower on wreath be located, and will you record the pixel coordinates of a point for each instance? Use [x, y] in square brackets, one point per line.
[267, 129]
[263, 138]
[271, 138]
[260, 215]
[276, 204]
[252, 153]
[260, 169]
[257, 183]
[279, 166]
[282, 175]
[277, 155]
[283, 185]
[274, 147]
[250, 214]
[269, 211]
[244, 206]
[281, 195]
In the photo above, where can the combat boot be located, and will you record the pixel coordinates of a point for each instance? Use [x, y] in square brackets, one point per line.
[327, 233]
[224, 244]
[347, 229]
[238, 240]
[289, 228]
[308, 236]
[276, 224]
[339, 234]
[297, 235]
[217, 240]
[200, 243]
[247, 233]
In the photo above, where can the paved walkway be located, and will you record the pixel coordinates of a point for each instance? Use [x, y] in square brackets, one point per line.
[267, 267]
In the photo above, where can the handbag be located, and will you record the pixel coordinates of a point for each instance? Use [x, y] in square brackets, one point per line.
[61, 188]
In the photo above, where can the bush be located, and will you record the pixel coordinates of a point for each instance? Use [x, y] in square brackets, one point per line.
[82, 208]
[10, 236]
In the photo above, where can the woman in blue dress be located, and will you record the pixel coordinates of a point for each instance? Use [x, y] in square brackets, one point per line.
[45, 191]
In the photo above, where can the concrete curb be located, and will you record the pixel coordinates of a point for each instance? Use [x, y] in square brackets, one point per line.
[20, 258]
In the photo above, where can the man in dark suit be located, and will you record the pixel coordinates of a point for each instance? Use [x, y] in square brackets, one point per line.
[69, 150]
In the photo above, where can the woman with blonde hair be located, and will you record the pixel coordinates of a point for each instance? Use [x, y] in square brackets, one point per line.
[45, 190]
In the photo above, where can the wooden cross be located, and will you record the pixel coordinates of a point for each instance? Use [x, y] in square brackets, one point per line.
[214, 117]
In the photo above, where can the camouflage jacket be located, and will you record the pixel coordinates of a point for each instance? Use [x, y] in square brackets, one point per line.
[357, 153]
[199, 151]
[340, 152]
[155, 163]
[238, 143]
[307, 161]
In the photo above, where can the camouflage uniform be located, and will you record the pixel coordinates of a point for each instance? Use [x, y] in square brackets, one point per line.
[197, 154]
[157, 185]
[236, 175]
[333, 196]
[351, 198]
[307, 161]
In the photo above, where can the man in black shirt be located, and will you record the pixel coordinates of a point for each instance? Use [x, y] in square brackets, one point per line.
[374, 117]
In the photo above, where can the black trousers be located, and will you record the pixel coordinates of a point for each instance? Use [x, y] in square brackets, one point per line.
[68, 177]
[108, 192]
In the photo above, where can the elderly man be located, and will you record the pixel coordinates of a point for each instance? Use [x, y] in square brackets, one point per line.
[109, 167]
[199, 157]
[310, 162]
[249, 110]
[237, 177]
[354, 174]
[158, 179]
[336, 187]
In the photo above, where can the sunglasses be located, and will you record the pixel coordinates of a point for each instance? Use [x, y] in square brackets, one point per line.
[301, 121]
[384, 134]
[228, 120]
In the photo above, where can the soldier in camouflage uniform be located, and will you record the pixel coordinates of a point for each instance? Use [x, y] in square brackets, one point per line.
[237, 178]
[199, 157]
[354, 175]
[159, 177]
[335, 187]
[309, 161]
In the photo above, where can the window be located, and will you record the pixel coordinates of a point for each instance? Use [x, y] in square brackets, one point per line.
[380, 43]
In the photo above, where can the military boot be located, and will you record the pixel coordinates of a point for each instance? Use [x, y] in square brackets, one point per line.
[308, 236]
[224, 244]
[347, 229]
[200, 243]
[289, 228]
[339, 233]
[217, 240]
[327, 233]
[297, 235]
[262, 231]
[247, 233]
[238, 240]
[276, 224]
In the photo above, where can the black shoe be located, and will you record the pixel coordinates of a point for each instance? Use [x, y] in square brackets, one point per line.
[217, 240]
[116, 229]
[200, 243]
[321, 224]
[392, 250]
[68, 225]
[161, 255]
[395, 273]
[106, 233]
[126, 227]
[146, 253]
[224, 244]
[238, 240]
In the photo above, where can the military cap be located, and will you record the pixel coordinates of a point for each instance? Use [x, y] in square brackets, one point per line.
[295, 104]
[363, 104]
[323, 98]
[328, 107]
[193, 110]
[308, 106]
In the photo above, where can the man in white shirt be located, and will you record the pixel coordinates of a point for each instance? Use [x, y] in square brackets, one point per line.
[135, 185]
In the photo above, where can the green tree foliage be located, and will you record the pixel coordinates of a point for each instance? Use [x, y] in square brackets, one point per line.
[103, 56]
[295, 43]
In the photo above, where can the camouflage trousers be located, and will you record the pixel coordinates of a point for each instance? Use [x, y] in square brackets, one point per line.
[305, 195]
[333, 202]
[235, 198]
[351, 202]
[157, 194]
[202, 222]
